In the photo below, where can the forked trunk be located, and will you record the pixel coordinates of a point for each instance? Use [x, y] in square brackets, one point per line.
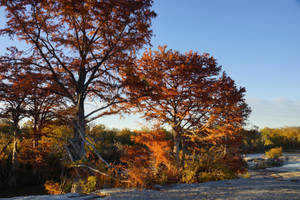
[76, 148]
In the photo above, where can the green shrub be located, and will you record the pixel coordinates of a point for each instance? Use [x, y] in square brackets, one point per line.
[207, 165]
[89, 185]
[274, 153]
[216, 175]
[190, 171]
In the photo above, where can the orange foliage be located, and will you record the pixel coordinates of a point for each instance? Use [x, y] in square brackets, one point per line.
[53, 187]
[82, 48]
[191, 94]
[150, 161]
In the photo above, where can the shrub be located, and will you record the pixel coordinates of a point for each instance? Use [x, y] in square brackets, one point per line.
[88, 185]
[274, 153]
[150, 160]
[52, 187]
[216, 175]
[206, 165]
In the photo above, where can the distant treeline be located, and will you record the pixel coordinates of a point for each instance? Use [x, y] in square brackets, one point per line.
[255, 140]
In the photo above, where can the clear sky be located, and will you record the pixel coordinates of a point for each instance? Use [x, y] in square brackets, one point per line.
[256, 41]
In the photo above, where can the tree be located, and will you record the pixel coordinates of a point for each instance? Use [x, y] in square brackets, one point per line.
[252, 140]
[14, 89]
[41, 107]
[189, 93]
[81, 46]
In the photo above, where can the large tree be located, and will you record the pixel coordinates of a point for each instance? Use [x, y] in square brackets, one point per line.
[190, 93]
[81, 46]
[14, 89]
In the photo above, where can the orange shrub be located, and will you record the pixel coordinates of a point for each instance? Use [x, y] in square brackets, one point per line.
[150, 161]
[52, 187]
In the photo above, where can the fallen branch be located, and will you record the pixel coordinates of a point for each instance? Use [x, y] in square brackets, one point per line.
[97, 171]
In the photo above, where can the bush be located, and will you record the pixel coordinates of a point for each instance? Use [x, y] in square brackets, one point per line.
[52, 187]
[89, 185]
[274, 153]
[150, 160]
[207, 165]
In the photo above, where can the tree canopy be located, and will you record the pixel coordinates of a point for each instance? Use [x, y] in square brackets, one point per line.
[80, 47]
[191, 94]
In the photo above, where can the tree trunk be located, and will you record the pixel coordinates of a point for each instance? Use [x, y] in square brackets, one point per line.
[80, 132]
[225, 151]
[183, 151]
[76, 147]
[12, 181]
[36, 134]
[14, 156]
[177, 147]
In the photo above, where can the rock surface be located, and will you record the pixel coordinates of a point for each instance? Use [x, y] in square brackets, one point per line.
[259, 188]
[264, 185]
[69, 196]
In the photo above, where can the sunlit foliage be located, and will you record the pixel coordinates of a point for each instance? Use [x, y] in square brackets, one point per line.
[189, 93]
[87, 50]
[274, 153]
[287, 137]
[150, 160]
[255, 140]
[79, 47]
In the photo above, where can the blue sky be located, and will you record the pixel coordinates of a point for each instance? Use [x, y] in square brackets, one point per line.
[256, 41]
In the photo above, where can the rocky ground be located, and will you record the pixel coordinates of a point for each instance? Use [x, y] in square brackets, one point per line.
[264, 184]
